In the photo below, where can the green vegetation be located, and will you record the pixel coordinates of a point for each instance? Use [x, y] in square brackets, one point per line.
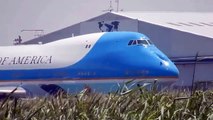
[134, 104]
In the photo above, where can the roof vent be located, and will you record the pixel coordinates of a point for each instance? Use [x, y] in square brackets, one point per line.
[208, 24]
[181, 23]
[195, 24]
[173, 24]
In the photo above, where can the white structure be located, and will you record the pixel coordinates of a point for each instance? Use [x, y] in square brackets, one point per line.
[179, 35]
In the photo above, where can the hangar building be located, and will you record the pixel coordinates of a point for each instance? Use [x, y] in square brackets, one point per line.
[185, 37]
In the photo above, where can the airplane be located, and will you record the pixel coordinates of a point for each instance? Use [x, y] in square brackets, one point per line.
[98, 62]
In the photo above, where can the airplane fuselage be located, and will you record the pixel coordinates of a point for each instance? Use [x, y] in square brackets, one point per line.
[96, 58]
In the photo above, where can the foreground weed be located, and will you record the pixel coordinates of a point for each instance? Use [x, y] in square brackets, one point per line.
[137, 103]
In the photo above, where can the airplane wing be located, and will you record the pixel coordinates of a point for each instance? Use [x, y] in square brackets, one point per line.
[6, 90]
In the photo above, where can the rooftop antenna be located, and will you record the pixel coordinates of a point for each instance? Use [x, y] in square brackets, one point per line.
[118, 6]
[117, 1]
[110, 9]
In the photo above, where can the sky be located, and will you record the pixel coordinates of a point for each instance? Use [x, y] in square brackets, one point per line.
[52, 15]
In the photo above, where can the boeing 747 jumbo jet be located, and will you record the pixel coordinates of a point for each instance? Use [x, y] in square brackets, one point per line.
[99, 62]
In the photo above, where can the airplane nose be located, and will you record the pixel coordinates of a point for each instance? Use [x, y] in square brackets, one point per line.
[169, 68]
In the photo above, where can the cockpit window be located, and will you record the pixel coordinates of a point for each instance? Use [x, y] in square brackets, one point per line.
[130, 42]
[150, 42]
[134, 42]
[140, 42]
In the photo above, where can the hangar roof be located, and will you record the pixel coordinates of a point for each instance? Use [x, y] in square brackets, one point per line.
[199, 23]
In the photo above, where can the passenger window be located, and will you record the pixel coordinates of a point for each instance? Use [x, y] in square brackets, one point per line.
[89, 46]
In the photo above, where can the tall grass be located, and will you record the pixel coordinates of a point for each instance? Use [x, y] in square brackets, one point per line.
[137, 103]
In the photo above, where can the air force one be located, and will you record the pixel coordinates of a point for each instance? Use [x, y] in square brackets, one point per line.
[98, 62]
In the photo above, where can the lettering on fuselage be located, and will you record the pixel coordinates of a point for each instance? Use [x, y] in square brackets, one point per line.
[25, 60]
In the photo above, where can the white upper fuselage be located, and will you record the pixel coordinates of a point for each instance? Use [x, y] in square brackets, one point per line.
[56, 54]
